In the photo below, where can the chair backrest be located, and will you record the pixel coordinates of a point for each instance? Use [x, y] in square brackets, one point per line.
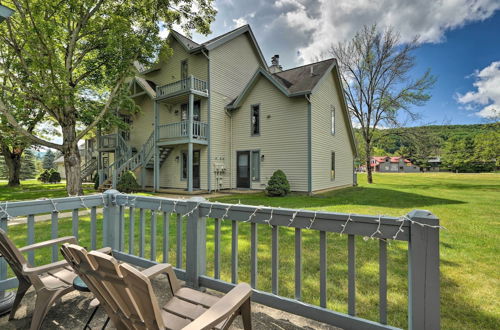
[13, 256]
[121, 288]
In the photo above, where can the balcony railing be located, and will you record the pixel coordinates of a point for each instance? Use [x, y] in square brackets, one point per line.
[190, 84]
[107, 141]
[129, 221]
[181, 130]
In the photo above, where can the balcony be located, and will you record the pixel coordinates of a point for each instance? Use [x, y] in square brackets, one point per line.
[107, 141]
[179, 132]
[183, 86]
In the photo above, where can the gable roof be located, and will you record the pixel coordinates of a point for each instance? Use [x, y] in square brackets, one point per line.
[193, 47]
[147, 85]
[293, 82]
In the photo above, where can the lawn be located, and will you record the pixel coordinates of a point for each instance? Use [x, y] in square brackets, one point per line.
[467, 204]
[33, 189]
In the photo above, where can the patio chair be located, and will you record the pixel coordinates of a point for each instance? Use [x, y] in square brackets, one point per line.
[128, 298]
[50, 281]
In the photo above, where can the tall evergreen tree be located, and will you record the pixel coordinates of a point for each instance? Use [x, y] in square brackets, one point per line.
[48, 160]
[28, 168]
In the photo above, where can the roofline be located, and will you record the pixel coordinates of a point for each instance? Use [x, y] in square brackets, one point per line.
[253, 80]
[135, 80]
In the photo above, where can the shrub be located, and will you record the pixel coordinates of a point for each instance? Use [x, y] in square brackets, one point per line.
[44, 176]
[96, 182]
[54, 177]
[278, 184]
[128, 183]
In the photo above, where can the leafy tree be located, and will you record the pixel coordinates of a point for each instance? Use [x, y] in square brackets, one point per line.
[54, 177]
[278, 184]
[459, 155]
[28, 168]
[375, 70]
[128, 183]
[71, 59]
[487, 147]
[48, 160]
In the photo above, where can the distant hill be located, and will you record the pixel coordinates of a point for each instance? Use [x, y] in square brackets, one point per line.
[436, 135]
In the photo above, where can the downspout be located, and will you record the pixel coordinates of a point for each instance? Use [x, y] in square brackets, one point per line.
[309, 144]
[230, 149]
[209, 158]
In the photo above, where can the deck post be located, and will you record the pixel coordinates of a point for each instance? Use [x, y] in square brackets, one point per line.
[111, 221]
[196, 244]
[423, 272]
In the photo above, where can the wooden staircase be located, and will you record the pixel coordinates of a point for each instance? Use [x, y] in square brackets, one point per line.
[142, 158]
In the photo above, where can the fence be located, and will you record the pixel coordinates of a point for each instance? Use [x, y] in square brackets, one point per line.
[419, 228]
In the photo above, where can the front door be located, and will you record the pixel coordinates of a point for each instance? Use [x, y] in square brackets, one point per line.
[243, 169]
[196, 169]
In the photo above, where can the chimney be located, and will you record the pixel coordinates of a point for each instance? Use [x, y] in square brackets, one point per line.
[275, 64]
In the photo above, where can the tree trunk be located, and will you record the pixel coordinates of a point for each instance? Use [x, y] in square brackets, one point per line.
[13, 163]
[368, 152]
[72, 161]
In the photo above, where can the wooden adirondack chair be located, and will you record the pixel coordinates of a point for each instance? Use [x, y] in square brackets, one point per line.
[128, 298]
[50, 281]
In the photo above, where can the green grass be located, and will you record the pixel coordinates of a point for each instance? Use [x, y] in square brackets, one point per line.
[467, 205]
[33, 189]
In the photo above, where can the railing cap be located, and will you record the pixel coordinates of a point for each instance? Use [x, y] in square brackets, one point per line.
[423, 216]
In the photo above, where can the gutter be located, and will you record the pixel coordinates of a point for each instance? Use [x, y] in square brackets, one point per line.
[309, 143]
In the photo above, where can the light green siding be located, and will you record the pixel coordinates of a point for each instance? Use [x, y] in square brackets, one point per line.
[283, 134]
[324, 143]
[231, 67]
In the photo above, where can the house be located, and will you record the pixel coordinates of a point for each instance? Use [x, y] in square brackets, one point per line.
[215, 116]
[88, 155]
[393, 164]
[5, 12]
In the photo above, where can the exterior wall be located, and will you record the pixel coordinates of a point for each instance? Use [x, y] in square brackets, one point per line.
[231, 67]
[324, 143]
[283, 135]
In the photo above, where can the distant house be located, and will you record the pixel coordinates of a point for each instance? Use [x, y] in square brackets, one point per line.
[88, 155]
[394, 164]
[434, 164]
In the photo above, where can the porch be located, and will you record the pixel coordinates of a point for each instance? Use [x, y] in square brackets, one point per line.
[189, 234]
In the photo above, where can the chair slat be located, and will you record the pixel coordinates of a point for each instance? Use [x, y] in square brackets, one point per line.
[93, 228]
[31, 238]
[383, 281]
[217, 249]
[153, 235]
[179, 242]
[351, 269]
[234, 251]
[322, 269]
[166, 236]
[142, 233]
[74, 222]
[131, 229]
[298, 263]
[253, 255]
[274, 260]
[54, 234]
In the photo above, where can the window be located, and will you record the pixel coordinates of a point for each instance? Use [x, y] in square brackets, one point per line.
[255, 112]
[332, 172]
[255, 165]
[333, 119]
[184, 171]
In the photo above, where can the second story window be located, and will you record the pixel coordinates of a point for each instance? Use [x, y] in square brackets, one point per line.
[333, 118]
[255, 119]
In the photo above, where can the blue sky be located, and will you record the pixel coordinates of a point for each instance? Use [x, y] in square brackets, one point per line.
[460, 42]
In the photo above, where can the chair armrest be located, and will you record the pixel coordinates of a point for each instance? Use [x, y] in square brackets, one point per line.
[69, 239]
[27, 270]
[105, 250]
[167, 269]
[222, 309]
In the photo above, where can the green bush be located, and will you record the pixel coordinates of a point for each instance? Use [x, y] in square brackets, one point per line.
[44, 176]
[54, 177]
[278, 184]
[128, 183]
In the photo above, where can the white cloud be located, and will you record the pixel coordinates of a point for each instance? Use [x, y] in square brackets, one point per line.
[239, 22]
[326, 22]
[485, 99]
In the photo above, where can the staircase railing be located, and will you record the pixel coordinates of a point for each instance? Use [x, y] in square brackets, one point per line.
[89, 167]
[134, 161]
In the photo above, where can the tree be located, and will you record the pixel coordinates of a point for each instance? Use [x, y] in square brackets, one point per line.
[487, 146]
[28, 168]
[48, 160]
[278, 184]
[71, 59]
[459, 155]
[375, 69]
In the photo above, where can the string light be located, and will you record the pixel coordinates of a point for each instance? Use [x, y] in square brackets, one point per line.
[312, 220]
[377, 231]
[292, 218]
[175, 204]
[54, 205]
[227, 211]
[268, 221]
[4, 211]
[192, 211]
[83, 204]
[345, 224]
[252, 215]
[160, 207]
[210, 210]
